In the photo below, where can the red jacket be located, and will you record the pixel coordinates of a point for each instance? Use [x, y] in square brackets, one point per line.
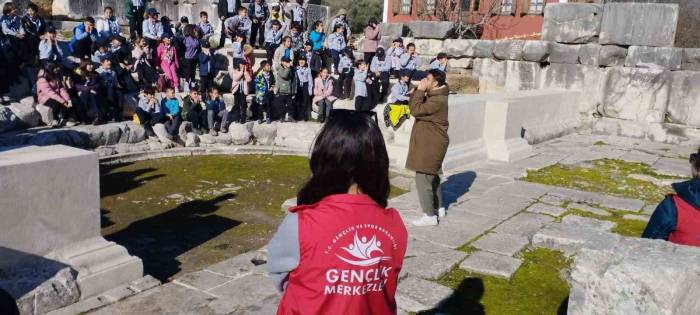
[351, 252]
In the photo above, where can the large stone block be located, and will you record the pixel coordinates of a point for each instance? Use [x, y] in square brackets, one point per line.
[572, 22]
[636, 94]
[393, 30]
[431, 29]
[8, 119]
[691, 59]
[562, 53]
[684, 100]
[587, 79]
[602, 55]
[491, 74]
[456, 48]
[666, 58]
[536, 50]
[483, 49]
[430, 47]
[627, 278]
[522, 75]
[643, 24]
[508, 49]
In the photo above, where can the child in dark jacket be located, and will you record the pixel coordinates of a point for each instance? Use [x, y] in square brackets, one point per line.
[206, 68]
[215, 106]
[193, 110]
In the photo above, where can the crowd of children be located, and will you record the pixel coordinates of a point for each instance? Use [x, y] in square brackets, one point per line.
[307, 67]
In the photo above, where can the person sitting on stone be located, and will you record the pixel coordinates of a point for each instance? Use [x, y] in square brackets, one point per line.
[677, 218]
[341, 227]
[152, 29]
[110, 90]
[13, 30]
[216, 109]
[170, 108]
[52, 93]
[193, 110]
[401, 91]
[49, 50]
[107, 26]
[87, 84]
[84, 37]
[238, 24]
[148, 110]
[323, 94]
[440, 62]
[410, 61]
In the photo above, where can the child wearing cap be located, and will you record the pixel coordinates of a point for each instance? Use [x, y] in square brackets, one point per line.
[168, 61]
[152, 28]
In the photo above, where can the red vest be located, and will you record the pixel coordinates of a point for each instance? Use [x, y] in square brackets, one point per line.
[687, 224]
[351, 252]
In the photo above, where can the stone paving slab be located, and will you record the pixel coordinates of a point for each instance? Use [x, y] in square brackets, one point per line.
[482, 185]
[525, 189]
[491, 264]
[524, 224]
[544, 208]
[590, 223]
[541, 160]
[607, 201]
[454, 230]
[501, 243]
[203, 280]
[496, 204]
[418, 247]
[649, 210]
[415, 295]
[238, 266]
[672, 167]
[640, 157]
[265, 306]
[431, 266]
[119, 293]
[552, 200]
[570, 237]
[255, 287]
[637, 217]
[589, 209]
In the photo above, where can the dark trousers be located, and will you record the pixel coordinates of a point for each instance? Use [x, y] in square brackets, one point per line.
[60, 111]
[264, 107]
[335, 55]
[240, 106]
[172, 125]
[109, 97]
[136, 21]
[383, 87]
[285, 105]
[257, 32]
[368, 57]
[148, 119]
[362, 103]
[303, 102]
[345, 85]
[83, 48]
[222, 40]
[188, 69]
[197, 118]
[325, 107]
[205, 82]
[270, 49]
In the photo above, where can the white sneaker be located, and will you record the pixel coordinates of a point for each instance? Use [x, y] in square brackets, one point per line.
[426, 221]
[441, 212]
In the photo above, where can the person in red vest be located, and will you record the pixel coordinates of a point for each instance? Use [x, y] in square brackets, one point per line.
[677, 218]
[341, 250]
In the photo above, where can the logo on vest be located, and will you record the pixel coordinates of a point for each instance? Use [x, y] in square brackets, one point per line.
[362, 250]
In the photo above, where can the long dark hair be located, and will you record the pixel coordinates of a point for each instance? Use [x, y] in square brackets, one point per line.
[349, 150]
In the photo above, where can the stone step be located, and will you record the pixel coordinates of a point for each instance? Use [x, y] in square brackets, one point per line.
[491, 264]
[416, 295]
[112, 296]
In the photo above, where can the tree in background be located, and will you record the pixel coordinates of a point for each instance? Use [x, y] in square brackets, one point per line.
[359, 11]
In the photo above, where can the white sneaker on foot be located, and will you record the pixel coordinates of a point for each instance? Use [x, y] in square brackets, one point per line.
[426, 220]
[441, 212]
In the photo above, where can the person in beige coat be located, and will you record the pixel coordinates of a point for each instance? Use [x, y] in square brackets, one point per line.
[429, 141]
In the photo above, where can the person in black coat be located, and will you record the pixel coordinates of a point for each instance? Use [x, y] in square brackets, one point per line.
[35, 27]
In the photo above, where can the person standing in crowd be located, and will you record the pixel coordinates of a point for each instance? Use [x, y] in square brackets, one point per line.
[204, 27]
[372, 37]
[394, 54]
[148, 110]
[349, 187]
[191, 58]
[276, 13]
[341, 19]
[258, 13]
[84, 37]
[237, 46]
[440, 62]
[52, 93]
[299, 15]
[283, 51]
[428, 144]
[206, 74]
[362, 101]
[381, 67]
[248, 59]
[264, 85]
[34, 27]
[152, 28]
[109, 89]
[49, 50]
[323, 94]
[336, 45]
[273, 38]
[226, 9]
[317, 37]
[142, 57]
[87, 85]
[170, 108]
[677, 218]
[297, 40]
[239, 24]
[313, 60]
[168, 28]
[193, 110]
[286, 88]
[135, 10]
[168, 61]
[304, 90]
[409, 61]
[240, 85]
[13, 30]
[345, 67]
[107, 26]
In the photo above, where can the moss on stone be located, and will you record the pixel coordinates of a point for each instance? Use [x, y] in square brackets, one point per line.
[600, 142]
[605, 176]
[536, 288]
[625, 227]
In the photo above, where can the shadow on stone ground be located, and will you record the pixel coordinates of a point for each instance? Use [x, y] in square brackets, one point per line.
[466, 300]
[456, 186]
[563, 307]
[160, 239]
[123, 181]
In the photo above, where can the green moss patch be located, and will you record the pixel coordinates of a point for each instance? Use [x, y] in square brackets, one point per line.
[604, 176]
[536, 288]
[625, 227]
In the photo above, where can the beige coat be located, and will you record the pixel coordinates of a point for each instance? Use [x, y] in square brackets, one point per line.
[429, 139]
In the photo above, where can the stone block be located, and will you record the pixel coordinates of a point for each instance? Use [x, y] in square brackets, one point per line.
[594, 198]
[26, 113]
[546, 209]
[500, 243]
[483, 49]
[430, 47]
[602, 55]
[431, 29]
[460, 63]
[46, 113]
[491, 264]
[491, 74]
[8, 119]
[40, 285]
[522, 75]
[456, 48]
[265, 133]
[536, 50]
[572, 22]
[589, 209]
[454, 230]
[625, 279]
[672, 166]
[415, 295]
[563, 53]
[508, 49]
[636, 217]
[495, 205]
[642, 24]
[525, 189]
[257, 287]
[684, 100]
[636, 94]
[665, 58]
[570, 238]
[691, 59]
[588, 223]
[202, 280]
[392, 30]
[300, 135]
[432, 266]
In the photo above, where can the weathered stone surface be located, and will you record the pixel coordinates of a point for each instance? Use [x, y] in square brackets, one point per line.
[536, 50]
[602, 55]
[431, 29]
[495, 205]
[457, 48]
[203, 280]
[162, 133]
[184, 128]
[491, 74]
[265, 133]
[672, 166]
[572, 22]
[501, 243]
[607, 201]
[39, 289]
[636, 217]
[8, 119]
[46, 113]
[546, 209]
[524, 224]
[415, 295]
[240, 133]
[191, 140]
[636, 94]
[571, 235]
[643, 24]
[460, 63]
[522, 75]
[491, 264]
[563, 53]
[300, 135]
[691, 59]
[393, 30]
[432, 266]
[684, 100]
[483, 49]
[26, 113]
[454, 230]
[665, 58]
[508, 49]
[430, 47]
[628, 278]
[587, 208]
